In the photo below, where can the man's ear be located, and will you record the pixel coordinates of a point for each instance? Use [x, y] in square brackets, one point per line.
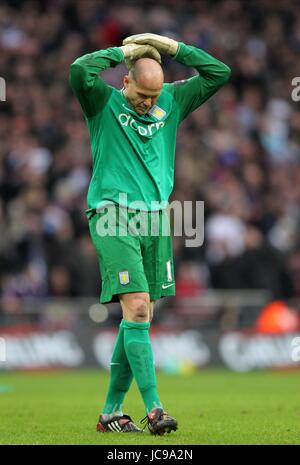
[126, 80]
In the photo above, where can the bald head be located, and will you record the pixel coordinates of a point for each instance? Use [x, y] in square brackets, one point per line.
[147, 73]
[143, 84]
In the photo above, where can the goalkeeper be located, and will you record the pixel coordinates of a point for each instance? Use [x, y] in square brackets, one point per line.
[133, 139]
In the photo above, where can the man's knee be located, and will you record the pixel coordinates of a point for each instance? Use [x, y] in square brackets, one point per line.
[151, 310]
[135, 307]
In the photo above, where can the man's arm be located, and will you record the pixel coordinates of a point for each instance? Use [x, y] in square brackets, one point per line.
[191, 93]
[91, 91]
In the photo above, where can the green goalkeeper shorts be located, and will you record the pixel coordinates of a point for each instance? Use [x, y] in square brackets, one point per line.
[134, 251]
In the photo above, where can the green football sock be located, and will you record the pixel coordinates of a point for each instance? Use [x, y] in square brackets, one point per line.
[120, 377]
[140, 357]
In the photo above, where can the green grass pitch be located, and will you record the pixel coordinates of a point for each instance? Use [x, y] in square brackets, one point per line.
[212, 407]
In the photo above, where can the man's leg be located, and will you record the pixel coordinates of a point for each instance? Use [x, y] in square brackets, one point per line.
[120, 377]
[120, 372]
[121, 264]
[112, 417]
[151, 310]
[136, 322]
[137, 312]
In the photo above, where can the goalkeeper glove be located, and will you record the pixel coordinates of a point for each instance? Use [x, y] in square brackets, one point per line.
[132, 52]
[161, 43]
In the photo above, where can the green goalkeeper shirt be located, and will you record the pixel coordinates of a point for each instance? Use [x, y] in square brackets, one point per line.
[133, 155]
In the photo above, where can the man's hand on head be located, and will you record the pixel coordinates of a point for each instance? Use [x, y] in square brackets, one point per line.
[161, 43]
[132, 52]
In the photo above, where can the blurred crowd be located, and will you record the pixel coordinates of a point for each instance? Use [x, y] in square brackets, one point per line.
[239, 153]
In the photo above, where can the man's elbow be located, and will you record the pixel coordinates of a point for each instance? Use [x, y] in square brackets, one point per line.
[75, 74]
[226, 72]
[75, 69]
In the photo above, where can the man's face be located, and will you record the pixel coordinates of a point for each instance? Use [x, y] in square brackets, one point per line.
[140, 97]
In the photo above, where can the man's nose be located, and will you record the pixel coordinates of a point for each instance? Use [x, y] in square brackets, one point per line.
[147, 101]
